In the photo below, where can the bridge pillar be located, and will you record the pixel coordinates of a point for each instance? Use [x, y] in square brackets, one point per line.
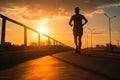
[25, 37]
[49, 41]
[56, 43]
[3, 33]
[53, 42]
[39, 40]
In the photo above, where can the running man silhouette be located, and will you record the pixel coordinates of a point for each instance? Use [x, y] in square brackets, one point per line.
[78, 28]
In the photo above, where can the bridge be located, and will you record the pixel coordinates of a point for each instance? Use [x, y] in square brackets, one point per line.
[56, 61]
[4, 19]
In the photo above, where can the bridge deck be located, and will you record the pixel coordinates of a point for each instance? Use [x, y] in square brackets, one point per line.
[65, 66]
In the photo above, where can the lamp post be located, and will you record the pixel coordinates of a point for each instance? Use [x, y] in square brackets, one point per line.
[86, 41]
[118, 43]
[91, 30]
[109, 18]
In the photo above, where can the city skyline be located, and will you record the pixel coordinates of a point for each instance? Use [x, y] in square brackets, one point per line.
[54, 16]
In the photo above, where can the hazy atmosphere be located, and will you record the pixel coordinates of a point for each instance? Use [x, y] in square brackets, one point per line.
[51, 17]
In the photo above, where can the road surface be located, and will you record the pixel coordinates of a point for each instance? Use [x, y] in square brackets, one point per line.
[65, 66]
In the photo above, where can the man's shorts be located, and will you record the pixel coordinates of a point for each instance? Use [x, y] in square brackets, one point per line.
[78, 31]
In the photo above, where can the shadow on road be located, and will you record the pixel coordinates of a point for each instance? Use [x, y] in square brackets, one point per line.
[107, 77]
[8, 60]
[101, 55]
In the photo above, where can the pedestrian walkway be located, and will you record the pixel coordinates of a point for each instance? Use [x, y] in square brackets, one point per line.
[65, 66]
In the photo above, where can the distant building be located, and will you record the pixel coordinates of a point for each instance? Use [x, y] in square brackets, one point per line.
[100, 47]
[33, 44]
[48, 42]
[97, 46]
[8, 44]
[36, 44]
[42, 43]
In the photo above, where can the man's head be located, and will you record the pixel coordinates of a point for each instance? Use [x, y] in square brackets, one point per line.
[77, 10]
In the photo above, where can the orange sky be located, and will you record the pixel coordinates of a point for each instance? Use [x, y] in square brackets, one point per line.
[54, 17]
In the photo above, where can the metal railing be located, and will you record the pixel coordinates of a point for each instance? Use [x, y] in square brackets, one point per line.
[3, 33]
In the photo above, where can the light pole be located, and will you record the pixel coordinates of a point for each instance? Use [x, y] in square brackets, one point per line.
[109, 18]
[86, 41]
[118, 43]
[91, 30]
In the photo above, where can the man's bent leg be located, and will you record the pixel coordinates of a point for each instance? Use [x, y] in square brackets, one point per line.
[75, 40]
[76, 43]
[80, 43]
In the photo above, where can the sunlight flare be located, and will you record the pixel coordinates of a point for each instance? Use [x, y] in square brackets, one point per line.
[43, 29]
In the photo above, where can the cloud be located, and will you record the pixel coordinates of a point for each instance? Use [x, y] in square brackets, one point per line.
[38, 9]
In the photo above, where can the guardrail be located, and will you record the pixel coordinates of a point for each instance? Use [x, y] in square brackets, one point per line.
[4, 19]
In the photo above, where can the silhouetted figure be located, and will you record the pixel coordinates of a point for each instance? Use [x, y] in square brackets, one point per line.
[78, 28]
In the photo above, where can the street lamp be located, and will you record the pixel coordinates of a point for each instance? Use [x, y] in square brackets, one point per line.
[109, 18]
[118, 43]
[86, 41]
[91, 30]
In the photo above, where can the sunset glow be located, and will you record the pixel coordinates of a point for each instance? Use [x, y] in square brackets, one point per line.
[52, 17]
[43, 29]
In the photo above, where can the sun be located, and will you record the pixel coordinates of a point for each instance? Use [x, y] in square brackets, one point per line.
[43, 29]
